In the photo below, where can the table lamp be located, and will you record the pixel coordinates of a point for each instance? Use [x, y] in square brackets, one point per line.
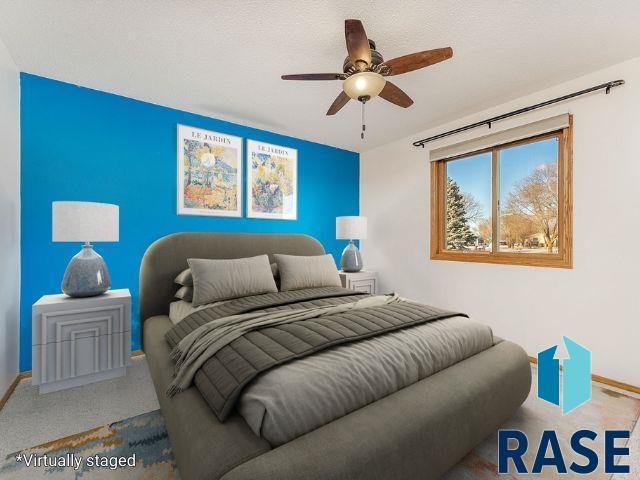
[351, 228]
[87, 274]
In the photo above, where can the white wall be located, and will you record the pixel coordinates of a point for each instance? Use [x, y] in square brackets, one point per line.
[9, 218]
[597, 303]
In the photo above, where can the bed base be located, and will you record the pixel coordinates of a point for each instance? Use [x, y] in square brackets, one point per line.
[420, 431]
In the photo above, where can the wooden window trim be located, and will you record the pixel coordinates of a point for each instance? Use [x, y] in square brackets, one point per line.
[564, 257]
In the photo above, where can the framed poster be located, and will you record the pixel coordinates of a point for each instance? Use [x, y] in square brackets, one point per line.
[209, 173]
[272, 181]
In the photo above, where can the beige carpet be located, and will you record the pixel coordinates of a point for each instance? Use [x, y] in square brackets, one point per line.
[29, 419]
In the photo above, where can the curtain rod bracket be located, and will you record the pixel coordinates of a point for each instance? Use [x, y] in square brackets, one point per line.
[489, 122]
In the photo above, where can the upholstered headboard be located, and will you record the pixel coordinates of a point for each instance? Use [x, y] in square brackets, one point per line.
[167, 257]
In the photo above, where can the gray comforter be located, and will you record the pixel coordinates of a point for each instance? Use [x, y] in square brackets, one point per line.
[231, 362]
[302, 395]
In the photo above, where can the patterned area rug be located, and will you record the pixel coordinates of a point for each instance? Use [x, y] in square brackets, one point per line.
[146, 437]
[139, 443]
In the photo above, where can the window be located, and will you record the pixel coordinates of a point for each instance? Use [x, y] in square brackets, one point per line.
[509, 203]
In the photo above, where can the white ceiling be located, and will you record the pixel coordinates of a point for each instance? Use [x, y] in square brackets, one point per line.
[224, 58]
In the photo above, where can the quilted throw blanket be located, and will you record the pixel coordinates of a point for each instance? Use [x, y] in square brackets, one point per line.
[222, 348]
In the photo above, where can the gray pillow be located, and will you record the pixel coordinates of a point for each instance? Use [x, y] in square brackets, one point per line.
[216, 280]
[185, 293]
[185, 278]
[298, 272]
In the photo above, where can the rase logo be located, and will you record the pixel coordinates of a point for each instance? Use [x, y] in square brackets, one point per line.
[575, 391]
[513, 446]
[576, 378]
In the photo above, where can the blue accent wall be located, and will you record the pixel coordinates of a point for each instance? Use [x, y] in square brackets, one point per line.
[83, 144]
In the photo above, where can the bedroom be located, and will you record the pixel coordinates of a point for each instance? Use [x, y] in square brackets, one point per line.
[211, 271]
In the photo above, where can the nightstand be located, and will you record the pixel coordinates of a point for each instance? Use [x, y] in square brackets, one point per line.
[80, 340]
[362, 281]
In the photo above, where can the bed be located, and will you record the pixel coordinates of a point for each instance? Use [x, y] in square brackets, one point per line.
[419, 431]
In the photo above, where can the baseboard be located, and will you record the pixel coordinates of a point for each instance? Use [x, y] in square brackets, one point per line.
[10, 390]
[22, 375]
[605, 380]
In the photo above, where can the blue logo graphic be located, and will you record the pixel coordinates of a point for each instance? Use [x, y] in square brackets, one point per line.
[576, 379]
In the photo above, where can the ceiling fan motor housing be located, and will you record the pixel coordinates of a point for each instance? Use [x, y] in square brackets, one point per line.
[376, 59]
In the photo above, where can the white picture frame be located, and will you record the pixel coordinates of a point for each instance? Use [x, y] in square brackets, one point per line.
[216, 189]
[279, 183]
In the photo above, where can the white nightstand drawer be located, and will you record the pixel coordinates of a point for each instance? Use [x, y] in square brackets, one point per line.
[55, 316]
[84, 354]
[367, 286]
[363, 281]
[60, 326]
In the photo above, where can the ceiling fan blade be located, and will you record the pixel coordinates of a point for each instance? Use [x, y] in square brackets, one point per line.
[340, 101]
[314, 76]
[414, 61]
[357, 43]
[393, 94]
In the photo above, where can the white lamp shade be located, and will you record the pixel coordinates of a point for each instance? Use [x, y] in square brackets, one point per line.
[85, 222]
[351, 228]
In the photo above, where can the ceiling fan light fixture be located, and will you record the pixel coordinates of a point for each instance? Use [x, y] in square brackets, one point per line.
[364, 84]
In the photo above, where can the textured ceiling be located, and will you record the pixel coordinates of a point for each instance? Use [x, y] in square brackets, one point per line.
[224, 58]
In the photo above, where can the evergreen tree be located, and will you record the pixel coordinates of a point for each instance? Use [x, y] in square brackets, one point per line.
[459, 233]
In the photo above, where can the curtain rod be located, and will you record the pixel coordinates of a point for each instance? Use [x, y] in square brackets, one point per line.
[489, 121]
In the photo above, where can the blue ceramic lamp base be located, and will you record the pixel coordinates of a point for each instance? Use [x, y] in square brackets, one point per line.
[86, 275]
[351, 260]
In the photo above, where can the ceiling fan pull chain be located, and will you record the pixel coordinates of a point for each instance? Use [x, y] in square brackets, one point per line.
[363, 125]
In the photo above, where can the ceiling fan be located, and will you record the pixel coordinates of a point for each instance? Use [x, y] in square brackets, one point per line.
[365, 71]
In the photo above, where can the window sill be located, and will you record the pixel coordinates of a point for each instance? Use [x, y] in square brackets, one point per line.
[521, 259]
